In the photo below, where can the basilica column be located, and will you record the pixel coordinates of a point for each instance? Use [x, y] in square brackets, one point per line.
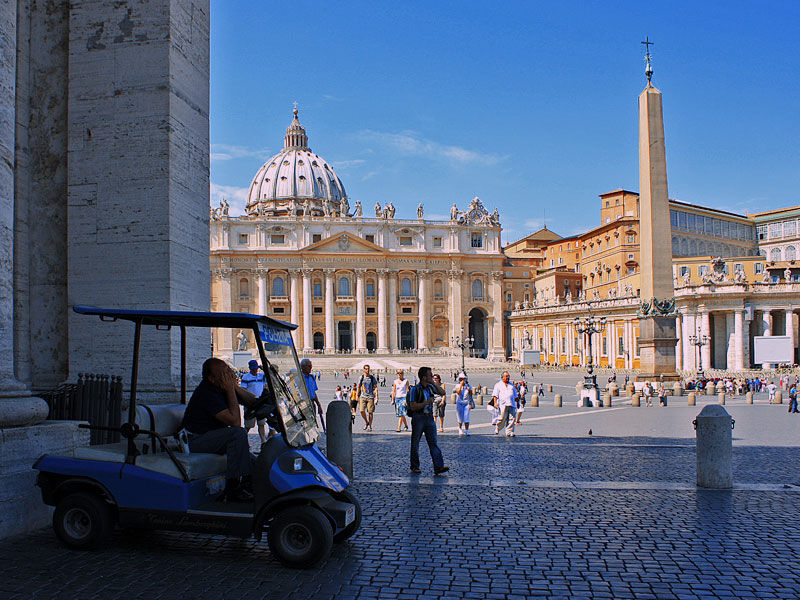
[224, 335]
[294, 301]
[261, 290]
[496, 349]
[330, 336]
[705, 330]
[766, 324]
[456, 309]
[422, 327]
[679, 345]
[612, 347]
[392, 311]
[738, 339]
[307, 339]
[361, 337]
[382, 345]
[790, 328]
[730, 340]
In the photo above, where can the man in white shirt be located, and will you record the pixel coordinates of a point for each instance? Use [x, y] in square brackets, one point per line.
[771, 389]
[253, 382]
[505, 398]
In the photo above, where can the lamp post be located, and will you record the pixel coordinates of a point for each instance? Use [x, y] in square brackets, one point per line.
[589, 325]
[699, 341]
[462, 342]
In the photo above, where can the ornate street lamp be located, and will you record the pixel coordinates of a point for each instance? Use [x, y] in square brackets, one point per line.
[699, 341]
[589, 325]
[460, 341]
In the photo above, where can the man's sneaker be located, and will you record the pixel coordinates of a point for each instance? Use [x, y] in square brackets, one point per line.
[441, 470]
[416, 471]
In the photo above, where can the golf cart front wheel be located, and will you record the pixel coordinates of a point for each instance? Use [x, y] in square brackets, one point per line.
[300, 536]
[82, 521]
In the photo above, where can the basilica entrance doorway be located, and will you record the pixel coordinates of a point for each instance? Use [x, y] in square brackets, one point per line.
[344, 329]
[478, 330]
[407, 335]
[372, 342]
[319, 341]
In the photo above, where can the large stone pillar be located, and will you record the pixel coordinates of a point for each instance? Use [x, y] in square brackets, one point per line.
[424, 304]
[730, 340]
[790, 329]
[382, 342]
[679, 346]
[224, 335]
[766, 327]
[294, 302]
[705, 333]
[497, 351]
[392, 311]
[361, 336]
[456, 314]
[657, 312]
[330, 336]
[308, 344]
[261, 290]
[738, 339]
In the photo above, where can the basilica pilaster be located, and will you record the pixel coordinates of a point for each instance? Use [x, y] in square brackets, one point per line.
[307, 339]
[330, 337]
[382, 343]
[393, 311]
[361, 337]
[424, 304]
[497, 350]
[294, 301]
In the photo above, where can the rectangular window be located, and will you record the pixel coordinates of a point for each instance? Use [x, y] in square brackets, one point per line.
[370, 238]
[552, 345]
[406, 310]
[278, 310]
[690, 222]
[684, 270]
[621, 346]
[682, 220]
[762, 232]
[775, 230]
[552, 262]
[277, 238]
[370, 310]
[560, 260]
[563, 345]
[702, 270]
[605, 346]
[717, 228]
[789, 228]
[317, 289]
[726, 229]
[526, 274]
[758, 267]
[370, 289]
[541, 343]
[317, 310]
[477, 239]
[316, 237]
[437, 242]
[631, 270]
[405, 240]
[630, 256]
[709, 226]
[673, 218]
[243, 238]
[577, 344]
[738, 268]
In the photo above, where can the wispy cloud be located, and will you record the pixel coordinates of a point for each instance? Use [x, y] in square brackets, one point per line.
[221, 152]
[332, 98]
[236, 197]
[410, 144]
[346, 164]
[370, 175]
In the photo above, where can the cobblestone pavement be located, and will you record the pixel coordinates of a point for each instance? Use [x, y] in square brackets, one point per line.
[522, 518]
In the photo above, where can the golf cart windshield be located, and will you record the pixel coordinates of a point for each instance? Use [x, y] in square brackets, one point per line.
[292, 399]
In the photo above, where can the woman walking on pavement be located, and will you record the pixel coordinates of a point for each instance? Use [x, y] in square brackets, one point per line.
[439, 403]
[400, 389]
[464, 403]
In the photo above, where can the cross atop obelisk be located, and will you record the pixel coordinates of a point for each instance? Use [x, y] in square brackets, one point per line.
[657, 311]
[648, 70]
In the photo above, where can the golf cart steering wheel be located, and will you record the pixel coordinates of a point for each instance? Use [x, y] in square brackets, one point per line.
[264, 408]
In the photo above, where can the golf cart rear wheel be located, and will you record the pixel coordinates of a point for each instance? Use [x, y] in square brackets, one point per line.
[346, 496]
[82, 521]
[300, 536]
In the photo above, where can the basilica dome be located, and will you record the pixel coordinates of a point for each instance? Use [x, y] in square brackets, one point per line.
[296, 180]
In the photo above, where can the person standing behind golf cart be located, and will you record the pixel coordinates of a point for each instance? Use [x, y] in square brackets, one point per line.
[311, 386]
[213, 423]
[253, 381]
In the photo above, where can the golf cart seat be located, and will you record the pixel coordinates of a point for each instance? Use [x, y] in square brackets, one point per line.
[164, 419]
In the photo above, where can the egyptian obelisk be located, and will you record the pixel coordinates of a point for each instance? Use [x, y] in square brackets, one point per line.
[657, 337]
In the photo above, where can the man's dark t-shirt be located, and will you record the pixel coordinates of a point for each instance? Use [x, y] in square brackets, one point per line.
[206, 401]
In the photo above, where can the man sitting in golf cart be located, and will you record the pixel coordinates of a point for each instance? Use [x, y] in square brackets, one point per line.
[213, 423]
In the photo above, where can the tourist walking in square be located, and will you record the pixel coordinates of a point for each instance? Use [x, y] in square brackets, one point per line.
[400, 389]
[505, 397]
[420, 409]
[793, 399]
[464, 403]
[367, 394]
[439, 403]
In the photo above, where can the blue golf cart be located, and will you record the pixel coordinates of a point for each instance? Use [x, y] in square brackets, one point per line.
[150, 480]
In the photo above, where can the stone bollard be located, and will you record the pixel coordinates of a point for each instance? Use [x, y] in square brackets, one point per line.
[714, 445]
[778, 397]
[479, 399]
[453, 398]
[636, 400]
[606, 399]
[578, 388]
[557, 400]
[340, 435]
[677, 390]
[721, 398]
[613, 389]
[549, 388]
[749, 397]
[711, 389]
[535, 401]
[692, 398]
[630, 388]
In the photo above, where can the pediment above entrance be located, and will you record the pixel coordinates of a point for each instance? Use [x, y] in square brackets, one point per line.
[345, 243]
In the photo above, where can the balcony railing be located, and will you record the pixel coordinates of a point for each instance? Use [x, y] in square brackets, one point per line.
[345, 298]
[406, 299]
[278, 299]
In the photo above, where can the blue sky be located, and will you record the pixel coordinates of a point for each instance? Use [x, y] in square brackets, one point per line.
[529, 105]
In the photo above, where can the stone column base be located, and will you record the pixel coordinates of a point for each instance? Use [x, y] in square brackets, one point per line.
[20, 407]
[21, 506]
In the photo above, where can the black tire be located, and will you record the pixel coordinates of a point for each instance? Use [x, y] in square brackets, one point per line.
[83, 521]
[300, 536]
[347, 496]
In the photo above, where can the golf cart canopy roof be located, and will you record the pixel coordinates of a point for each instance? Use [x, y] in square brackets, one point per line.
[180, 318]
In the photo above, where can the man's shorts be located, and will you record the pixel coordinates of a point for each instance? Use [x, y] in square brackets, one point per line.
[438, 408]
[250, 423]
[366, 404]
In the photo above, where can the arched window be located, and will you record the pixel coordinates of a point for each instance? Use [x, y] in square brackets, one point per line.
[790, 253]
[344, 286]
[684, 247]
[244, 288]
[693, 248]
[370, 288]
[775, 254]
[763, 253]
[405, 287]
[477, 288]
[277, 287]
[438, 289]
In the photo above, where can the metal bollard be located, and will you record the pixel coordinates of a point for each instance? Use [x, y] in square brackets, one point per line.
[557, 400]
[340, 435]
[714, 445]
[636, 400]
[721, 398]
[606, 399]
[749, 397]
[692, 398]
